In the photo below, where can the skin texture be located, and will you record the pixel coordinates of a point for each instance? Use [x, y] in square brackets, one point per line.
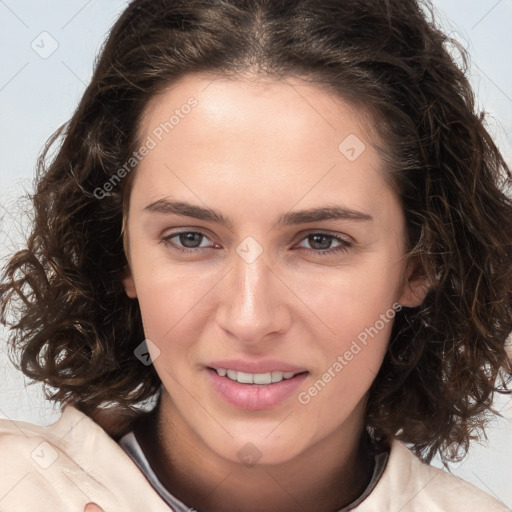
[254, 150]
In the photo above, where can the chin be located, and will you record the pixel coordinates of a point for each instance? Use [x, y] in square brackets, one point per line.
[259, 451]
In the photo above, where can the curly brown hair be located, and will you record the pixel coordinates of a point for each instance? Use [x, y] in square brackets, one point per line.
[74, 327]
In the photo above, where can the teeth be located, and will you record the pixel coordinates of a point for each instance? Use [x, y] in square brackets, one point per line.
[262, 378]
[254, 378]
[245, 378]
[277, 376]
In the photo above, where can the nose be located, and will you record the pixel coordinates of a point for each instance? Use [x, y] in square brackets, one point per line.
[253, 307]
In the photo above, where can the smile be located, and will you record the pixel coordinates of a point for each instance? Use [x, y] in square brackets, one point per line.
[255, 391]
[255, 378]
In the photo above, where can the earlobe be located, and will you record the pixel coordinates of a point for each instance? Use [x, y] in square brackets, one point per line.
[415, 287]
[129, 283]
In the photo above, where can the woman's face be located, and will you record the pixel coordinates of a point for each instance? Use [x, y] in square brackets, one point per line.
[290, 262]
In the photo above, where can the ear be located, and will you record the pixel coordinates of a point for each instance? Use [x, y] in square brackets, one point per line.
[415, 285]
[128, 282]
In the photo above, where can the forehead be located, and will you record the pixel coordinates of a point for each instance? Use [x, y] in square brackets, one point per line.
[258, 143]
[291, 108]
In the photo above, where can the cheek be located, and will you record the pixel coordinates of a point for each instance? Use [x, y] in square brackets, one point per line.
[351, 298]
[351, 362]
[173, 301]
[166, 305]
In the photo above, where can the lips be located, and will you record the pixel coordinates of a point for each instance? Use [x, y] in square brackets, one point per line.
[255, 385]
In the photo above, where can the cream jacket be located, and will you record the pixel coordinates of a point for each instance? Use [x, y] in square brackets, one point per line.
[63, 466]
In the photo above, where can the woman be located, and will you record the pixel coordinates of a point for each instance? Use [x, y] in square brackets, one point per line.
[285, 222]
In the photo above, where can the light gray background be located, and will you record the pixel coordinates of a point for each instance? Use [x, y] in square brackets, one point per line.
[38, 94]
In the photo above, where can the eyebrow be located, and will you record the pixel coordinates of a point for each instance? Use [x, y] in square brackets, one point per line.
[166, 207]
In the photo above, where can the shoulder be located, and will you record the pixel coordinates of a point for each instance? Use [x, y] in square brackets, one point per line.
[410, 485]
[65, 465]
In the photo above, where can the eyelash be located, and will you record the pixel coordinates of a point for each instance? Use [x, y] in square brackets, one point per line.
[343, 247]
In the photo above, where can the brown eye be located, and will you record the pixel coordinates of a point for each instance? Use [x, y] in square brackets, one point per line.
[188, 241]
[321, 243]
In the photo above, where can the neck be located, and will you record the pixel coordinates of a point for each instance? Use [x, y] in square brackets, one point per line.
[313, 480]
